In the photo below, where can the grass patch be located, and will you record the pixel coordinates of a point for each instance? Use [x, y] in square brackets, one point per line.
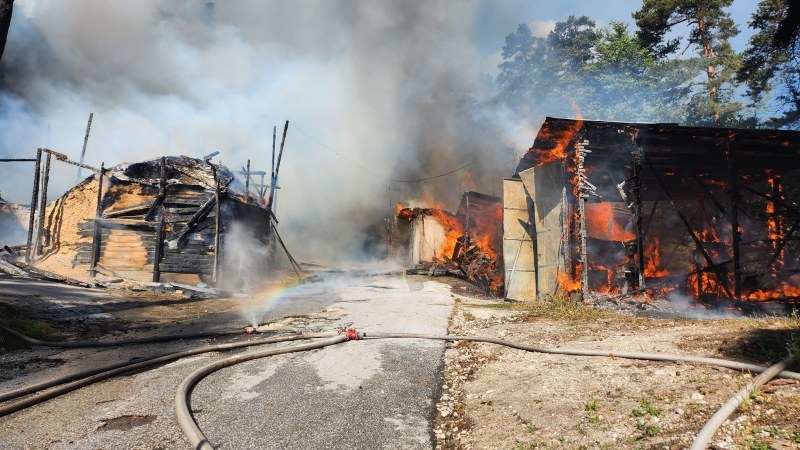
[469, 316]
[37, 329]
[592, 407]
[645, 408]
[558, 307]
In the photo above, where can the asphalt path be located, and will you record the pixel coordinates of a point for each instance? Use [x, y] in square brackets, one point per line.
[360, 394]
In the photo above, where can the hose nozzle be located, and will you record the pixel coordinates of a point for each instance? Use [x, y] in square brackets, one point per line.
[249, 329]
[351, 333]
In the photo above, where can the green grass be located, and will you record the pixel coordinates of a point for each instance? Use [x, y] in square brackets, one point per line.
[649, 430]
[36, 329]
[469, 316]
[793, 346]
[645, 408]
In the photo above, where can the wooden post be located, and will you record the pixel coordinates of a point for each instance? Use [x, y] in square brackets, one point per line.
[159, 237]
[34, 197]
[43, 206]
[85, 141]
[97, 230]
[215, 269]
[737, 268]
[274, 184]
[247, 182]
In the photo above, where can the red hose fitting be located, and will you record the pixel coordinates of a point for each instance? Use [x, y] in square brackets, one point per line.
[351, 333]
[249, 329]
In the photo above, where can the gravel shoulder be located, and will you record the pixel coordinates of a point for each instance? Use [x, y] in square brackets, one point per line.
[498, 397]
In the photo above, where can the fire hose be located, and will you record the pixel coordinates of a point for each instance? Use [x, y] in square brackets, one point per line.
[80, 379]
[114, 343]
[198, 440]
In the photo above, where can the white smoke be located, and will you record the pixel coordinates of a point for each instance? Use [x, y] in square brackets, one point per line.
[393, 87]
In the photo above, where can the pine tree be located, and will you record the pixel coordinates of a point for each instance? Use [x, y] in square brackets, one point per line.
[771, 65]
[710, 28]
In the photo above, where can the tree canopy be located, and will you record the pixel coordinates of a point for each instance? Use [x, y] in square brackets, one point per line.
[677, 65]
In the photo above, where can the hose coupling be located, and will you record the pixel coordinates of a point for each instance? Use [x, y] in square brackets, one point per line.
[351, 333]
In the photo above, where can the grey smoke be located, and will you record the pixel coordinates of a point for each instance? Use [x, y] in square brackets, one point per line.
[394, 86]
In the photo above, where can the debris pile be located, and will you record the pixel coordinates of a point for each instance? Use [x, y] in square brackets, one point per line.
[457, 250]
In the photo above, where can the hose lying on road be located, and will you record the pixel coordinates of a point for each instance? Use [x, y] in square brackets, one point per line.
[66, 384]
[199, 441]
[704, 436]
[195, 435]
[735, 365]
[134, 341]
[183, 395]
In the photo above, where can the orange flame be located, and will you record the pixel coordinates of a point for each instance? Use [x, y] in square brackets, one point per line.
[653, 260]
[603, 223]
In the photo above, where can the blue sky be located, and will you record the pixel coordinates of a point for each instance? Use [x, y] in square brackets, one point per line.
[495, 19]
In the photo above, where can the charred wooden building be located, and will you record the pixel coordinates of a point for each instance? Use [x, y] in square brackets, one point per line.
[168, 219]
[612, 207]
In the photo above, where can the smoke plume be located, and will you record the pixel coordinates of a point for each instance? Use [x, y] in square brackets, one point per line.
[374, 91]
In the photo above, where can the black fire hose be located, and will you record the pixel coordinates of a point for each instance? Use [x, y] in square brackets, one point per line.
[119, 342]
[735, 365]
[87, 377]
[199, 441]
[183, 395]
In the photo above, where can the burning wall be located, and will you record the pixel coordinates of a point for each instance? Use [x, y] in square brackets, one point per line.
[710, 213]
[465, 244]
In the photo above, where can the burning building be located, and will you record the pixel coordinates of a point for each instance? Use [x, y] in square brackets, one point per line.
[465, 244]
[168, 219]
[612, 208]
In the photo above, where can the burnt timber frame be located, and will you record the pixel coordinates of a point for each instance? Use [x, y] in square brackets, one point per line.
[96, 236]
[695, 163]
[34, 198]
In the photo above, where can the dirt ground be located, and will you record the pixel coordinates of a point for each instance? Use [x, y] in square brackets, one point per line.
[498, 397]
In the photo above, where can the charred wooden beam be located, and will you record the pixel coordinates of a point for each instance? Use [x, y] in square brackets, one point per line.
[159, 238]
[125, 223]
[737, 265]
[295, 265]
[43, 206]
[650, 219]
[247, 183]
[215, 269]
[85, 142]
[97, 235]
[636, 160]
[63, 158]
[34, 197]
[710, 195]
[144, 206]
[772, 199]
[699, 244]
[162, 189]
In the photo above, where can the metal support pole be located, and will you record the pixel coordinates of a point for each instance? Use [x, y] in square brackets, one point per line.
[98, 233]
[585, 189]
[34, 198]
[85, 141]
[43, 206]
[737, 268]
